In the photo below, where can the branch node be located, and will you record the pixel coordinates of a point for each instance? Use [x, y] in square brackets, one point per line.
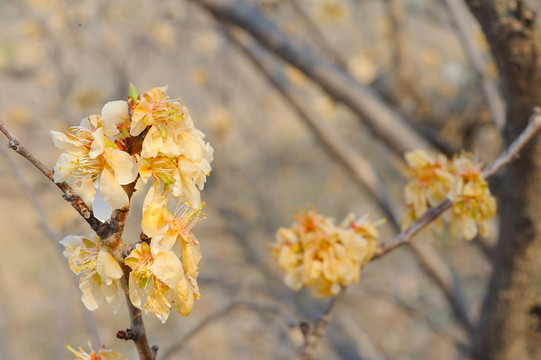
[13, 144]
[154, 350]
[127, 334]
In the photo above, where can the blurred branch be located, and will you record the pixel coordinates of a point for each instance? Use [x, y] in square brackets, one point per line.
[362, 172]
[359, 337]
[78, 204]
[387, 124]
[109, 232]
[510, 154]
[460, 17]
[395, 13]
[409, 310]
[313, 336]
[443, 275]
[49, 230]
[29, 191]
[486, 246]
[360, 169]
[318, 35]
[219, 314]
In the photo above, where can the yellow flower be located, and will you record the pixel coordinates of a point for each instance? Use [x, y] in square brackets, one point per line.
[158, 279]
[165, 119]
[90, 161]
[316, 253]
[102, 354]
[430, 183]
[435, 179]
[473, 203]
[100, 271]
[166, 228]
[174, 152]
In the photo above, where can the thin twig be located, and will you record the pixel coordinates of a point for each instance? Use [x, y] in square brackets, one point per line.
[361, 170]
[69, 195]
[27, 188]
[137, 328]
[110, 233]
[49, 230]
[219, 314]
[511, 153]
[318, 35]
[313, 336]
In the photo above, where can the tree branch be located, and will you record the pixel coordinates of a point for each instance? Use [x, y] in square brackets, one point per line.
[313, 336]
[461, 19]
[136, 332]
[219, 314]
[360, 169]
[510, 154]
[69, 195]
[379, 118]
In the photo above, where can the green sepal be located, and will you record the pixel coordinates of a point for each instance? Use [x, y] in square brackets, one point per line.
[88, 243]
[131, 262]
[165, 179]
[98, 278]
[145, 248]
[144, 281]
[162, 129]
[133, 92]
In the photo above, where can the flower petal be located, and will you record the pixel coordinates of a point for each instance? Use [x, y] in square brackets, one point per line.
[123, 164]
[168, 268]
[111, 190]
[107, 267]
[113, 113]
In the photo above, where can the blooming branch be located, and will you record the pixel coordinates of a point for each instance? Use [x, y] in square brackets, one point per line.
[511, 153]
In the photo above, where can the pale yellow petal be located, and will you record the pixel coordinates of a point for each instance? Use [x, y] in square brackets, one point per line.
[98, 145]
[92, 295]
[191, 255]
[168, 268]
[123, 164]
[111, 190]
[135, 291]
[113, 113]
[158, 305]
[107, 267]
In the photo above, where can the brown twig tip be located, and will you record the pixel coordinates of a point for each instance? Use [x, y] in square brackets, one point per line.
[128, 334]
[305, 328]
[144, 238]
[154, 350]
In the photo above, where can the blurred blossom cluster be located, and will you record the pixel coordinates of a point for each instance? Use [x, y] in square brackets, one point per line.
[434, 179]
[149, 138]
[101, 354]
[316, 253]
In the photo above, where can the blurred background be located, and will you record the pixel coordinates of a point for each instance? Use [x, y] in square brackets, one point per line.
[61, 61]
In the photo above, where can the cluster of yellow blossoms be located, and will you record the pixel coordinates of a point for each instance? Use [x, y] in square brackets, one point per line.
[321, 255]
[101, 354]
[147, 138]
[435, 179]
